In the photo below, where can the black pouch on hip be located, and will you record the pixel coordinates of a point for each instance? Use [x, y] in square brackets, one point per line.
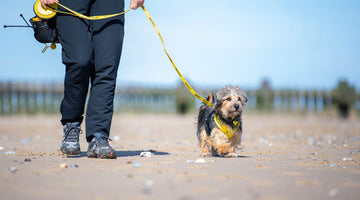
[44, 30]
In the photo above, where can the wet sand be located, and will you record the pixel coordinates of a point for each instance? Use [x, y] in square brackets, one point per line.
[281, 157]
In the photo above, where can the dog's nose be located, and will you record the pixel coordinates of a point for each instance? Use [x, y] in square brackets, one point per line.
[236, 106]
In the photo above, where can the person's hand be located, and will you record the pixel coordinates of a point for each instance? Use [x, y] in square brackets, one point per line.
[134, 4]
[48, 2]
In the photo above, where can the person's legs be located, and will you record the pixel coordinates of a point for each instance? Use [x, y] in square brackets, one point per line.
[77, 51]
[107, 40]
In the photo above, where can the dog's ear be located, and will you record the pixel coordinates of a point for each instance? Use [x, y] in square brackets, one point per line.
[210, 98]
[244, 98]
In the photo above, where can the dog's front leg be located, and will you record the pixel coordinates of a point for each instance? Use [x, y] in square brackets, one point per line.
[220, 143]
[205, 152]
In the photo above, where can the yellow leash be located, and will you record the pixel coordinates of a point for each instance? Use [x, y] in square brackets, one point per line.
[172, 62]
[74, 13]
[156, 29]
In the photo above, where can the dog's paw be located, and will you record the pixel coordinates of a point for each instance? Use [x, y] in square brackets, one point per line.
[231, 155]
[207, 154]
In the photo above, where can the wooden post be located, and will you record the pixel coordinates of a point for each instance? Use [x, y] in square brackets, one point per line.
[27, 103]
[43, 96]
[306, 96]
[35, 93]
[2, 98]
[9, 89]
[315, 98]
[298, 104]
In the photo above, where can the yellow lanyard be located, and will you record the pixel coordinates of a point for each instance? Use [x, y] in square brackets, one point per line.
[72, 12]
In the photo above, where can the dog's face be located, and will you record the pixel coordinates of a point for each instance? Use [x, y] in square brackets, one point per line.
[230, 102]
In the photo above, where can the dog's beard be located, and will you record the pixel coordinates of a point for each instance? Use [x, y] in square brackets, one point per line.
[230, 116]
[234, 114]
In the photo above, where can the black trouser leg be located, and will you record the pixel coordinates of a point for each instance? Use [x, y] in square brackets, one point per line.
[77, 49]
[91, 50]
[107, 40]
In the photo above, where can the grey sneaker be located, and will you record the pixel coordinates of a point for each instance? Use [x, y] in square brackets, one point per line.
[70, 143]
[99, 147]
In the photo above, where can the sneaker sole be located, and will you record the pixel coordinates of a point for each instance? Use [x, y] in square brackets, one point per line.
[112, 155]
[70, 152]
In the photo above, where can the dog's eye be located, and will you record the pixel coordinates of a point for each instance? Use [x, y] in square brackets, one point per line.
[228, 99]
[239, 99]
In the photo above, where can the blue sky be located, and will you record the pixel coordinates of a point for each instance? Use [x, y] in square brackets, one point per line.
[295, 44]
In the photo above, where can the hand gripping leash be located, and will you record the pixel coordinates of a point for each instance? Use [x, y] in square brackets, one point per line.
[51, 10]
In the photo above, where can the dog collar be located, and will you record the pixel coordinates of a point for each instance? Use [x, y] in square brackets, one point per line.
[226, 129]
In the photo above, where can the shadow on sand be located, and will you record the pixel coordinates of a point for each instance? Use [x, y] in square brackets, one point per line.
[126, 153]
[238, 156]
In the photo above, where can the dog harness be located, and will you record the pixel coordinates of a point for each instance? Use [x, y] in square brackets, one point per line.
[217, 122]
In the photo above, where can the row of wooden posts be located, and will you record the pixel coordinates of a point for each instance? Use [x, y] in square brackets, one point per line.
[28, 98]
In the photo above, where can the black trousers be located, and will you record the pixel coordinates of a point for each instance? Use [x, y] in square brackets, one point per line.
[91, 53]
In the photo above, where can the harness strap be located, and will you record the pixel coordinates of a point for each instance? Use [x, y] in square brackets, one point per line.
[226, 129]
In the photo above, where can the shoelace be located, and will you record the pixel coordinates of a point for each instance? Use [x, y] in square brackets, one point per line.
[72, 133]
[103, 141]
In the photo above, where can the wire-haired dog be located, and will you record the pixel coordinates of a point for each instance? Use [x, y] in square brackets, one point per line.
[219, 130]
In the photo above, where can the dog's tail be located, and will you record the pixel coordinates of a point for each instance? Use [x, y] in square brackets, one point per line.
[210, 99]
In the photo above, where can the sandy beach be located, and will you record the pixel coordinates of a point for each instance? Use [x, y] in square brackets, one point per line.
[282, 157]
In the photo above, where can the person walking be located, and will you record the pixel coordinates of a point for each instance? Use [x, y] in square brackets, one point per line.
[91, 51]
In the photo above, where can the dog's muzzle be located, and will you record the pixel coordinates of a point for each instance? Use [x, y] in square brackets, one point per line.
[236, 106]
